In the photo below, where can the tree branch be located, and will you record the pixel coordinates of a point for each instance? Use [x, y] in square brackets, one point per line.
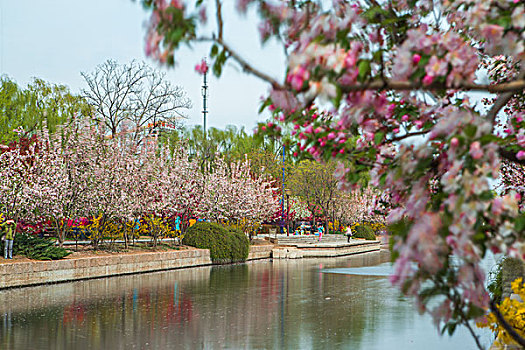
[248, 68]
[508, 328]
[514, 86]
[220, 23]
[407, 135]
[503, 99]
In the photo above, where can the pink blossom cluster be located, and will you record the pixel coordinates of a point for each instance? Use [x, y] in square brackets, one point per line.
[448, 56]
[201, 67]
[383, 87]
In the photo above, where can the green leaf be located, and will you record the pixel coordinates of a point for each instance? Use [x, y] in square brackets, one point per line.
[474, 312]
[451, 328]
[364, 69]
[519, 224]
[470, 130]
[214, 50]
[379, 137]
[485, 139]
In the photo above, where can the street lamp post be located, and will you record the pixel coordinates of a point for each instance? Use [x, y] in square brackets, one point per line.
[288, 192]
[282, 199]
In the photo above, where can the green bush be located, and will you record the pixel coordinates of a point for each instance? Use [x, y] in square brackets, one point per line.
[225, 245]
[495, 279]
[36, 248]
[240, 245]
[363, 231]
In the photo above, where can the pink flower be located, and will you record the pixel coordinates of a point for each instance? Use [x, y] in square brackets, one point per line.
[405, 117]
[203, 17]
[475, 150]
[454, 142]
[297, 77]
[520, 155]
[416, 58]
[492, 31]
[202, 67]
[177, 4]
[391, 107]
[436, 67]
[331, 136]
[427, 80]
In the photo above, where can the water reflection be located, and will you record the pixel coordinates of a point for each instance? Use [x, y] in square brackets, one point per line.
[284, 304]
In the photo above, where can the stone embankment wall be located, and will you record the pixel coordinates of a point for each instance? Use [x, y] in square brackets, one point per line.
[26, 273]
[511, 269]
[300, 251]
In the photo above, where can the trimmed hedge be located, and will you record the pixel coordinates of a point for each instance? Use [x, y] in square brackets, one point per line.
[363, 231]
[240, 245]
[225, 245]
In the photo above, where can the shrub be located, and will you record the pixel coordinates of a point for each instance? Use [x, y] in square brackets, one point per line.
[363, 231]
[495, 279]
[37, 248]
[225, 245]
[240, 245]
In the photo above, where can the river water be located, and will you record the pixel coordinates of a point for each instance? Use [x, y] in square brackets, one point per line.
[337, 303]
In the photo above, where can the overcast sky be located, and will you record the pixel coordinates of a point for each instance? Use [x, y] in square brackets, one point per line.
[57, 39]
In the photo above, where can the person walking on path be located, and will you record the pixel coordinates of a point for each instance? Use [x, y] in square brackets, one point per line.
[349, 233]
[8, 228]
[320, 229]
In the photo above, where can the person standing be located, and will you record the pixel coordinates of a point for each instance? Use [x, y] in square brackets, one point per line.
[320, 229]
[9, 231]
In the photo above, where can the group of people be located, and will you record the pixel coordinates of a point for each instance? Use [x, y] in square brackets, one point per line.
[7, 232]
[306, 229]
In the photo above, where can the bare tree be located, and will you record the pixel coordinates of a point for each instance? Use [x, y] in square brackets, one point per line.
[134, 98]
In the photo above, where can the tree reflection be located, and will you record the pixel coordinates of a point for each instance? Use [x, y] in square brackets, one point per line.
[280, 304]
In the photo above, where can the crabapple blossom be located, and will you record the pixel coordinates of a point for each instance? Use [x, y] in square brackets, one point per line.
[387, 85]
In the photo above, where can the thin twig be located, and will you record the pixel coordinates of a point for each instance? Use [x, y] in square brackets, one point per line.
[474, 335]
[417, 133]
[248, 68]
[220, 23]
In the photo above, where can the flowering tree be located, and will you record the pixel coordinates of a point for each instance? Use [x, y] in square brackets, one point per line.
[180, 183]
[356, 206]
[232, 192]
[394, 78]
[16, 162]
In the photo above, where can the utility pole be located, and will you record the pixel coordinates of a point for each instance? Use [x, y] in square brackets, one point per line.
[204, 92]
